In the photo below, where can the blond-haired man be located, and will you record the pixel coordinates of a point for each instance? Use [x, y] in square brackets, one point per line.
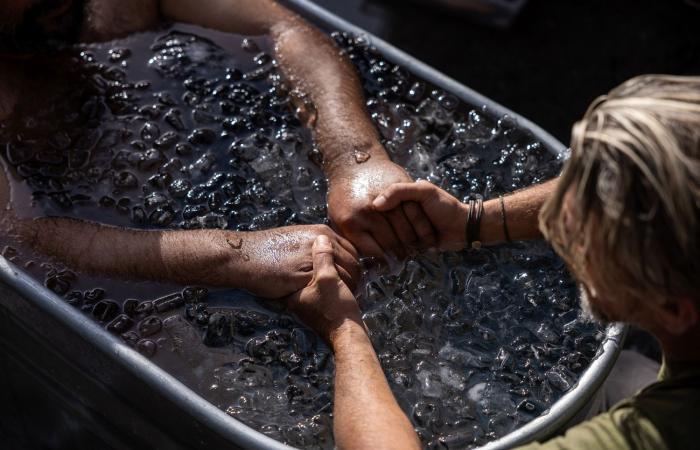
[625, 216]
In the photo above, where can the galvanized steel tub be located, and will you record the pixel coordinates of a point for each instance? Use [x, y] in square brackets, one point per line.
[68, 383]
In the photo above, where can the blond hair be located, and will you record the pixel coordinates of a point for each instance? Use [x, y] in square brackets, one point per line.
[627, 206]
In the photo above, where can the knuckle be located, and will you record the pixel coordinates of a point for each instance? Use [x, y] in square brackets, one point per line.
[392, 190]
[354, 220]
[413, 212]
[396, 216]
[326, 278]
[425, 233]
[322, 229]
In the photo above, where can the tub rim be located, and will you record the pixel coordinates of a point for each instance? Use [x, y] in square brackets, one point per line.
[132, 361]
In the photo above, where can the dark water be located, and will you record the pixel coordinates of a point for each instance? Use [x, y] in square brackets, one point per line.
[169, 130]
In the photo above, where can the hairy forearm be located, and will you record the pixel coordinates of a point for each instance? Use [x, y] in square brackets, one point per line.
[521, 212]
[202, 256]
[366, 414]
[312, 65]
[315, 67]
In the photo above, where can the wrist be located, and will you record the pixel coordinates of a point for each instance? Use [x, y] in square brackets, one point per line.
[351, 158]
[491, 230]
[232, 255]
[457, 238]
[346, 332]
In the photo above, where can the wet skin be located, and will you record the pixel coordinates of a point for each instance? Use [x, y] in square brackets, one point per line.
[312, 68]
[272, 263]
[366, 414]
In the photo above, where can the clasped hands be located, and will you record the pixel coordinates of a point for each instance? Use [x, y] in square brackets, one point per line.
[381, 213]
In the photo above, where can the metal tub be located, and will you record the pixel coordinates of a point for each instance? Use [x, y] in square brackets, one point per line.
[65, 380]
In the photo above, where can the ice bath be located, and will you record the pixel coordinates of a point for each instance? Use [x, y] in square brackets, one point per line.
[168, 130]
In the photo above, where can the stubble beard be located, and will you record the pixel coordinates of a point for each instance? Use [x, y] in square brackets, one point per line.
[590, 311]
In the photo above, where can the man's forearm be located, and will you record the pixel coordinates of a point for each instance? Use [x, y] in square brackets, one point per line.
[312, 65]
[366, 414]
[201, 256]
[315, 67]
[521, 214]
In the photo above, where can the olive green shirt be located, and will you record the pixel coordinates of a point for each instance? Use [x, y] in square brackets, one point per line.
[662, 416]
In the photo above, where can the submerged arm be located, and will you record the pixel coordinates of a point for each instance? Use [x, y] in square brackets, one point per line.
[272, 264]
[356, 164]
[188, 256]
[311, 63]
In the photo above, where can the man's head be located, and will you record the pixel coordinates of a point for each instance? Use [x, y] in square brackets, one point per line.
[626, 213]
[30, 26]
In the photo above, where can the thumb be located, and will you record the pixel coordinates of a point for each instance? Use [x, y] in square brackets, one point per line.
[395, 194]
[324, 268]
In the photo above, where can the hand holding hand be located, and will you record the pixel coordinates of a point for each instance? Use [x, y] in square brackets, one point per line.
[447, 215]
[326, 302]
[279, 262]
[376, 233]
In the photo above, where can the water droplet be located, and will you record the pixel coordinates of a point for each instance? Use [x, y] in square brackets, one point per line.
[361, 156]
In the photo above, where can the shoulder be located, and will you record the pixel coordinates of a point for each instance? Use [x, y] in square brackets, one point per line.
[109, 19]
[622, 428]
[672, 405]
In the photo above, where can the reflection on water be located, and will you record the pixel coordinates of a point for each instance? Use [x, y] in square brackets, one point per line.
[171, 131]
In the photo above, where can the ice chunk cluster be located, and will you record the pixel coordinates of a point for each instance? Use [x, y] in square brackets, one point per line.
[174, 131]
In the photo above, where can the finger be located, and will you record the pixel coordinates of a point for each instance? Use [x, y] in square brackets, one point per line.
[420, 191]
[348, 262]
[346, 277]
[368, 246]
[348, 246]
[402, 227]
[384, 235]
[422, 226]
[324, 267]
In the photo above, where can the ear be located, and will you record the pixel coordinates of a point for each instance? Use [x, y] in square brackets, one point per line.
[677, 316]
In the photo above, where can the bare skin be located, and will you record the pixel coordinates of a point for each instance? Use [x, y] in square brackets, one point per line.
[271, 264]
[448, 215]
[676, 323]
[365, 412]
[312, 66]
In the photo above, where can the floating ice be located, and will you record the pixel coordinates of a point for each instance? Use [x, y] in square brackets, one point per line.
[188, 135]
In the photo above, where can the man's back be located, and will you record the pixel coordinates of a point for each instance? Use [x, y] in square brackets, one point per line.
[661, 416]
